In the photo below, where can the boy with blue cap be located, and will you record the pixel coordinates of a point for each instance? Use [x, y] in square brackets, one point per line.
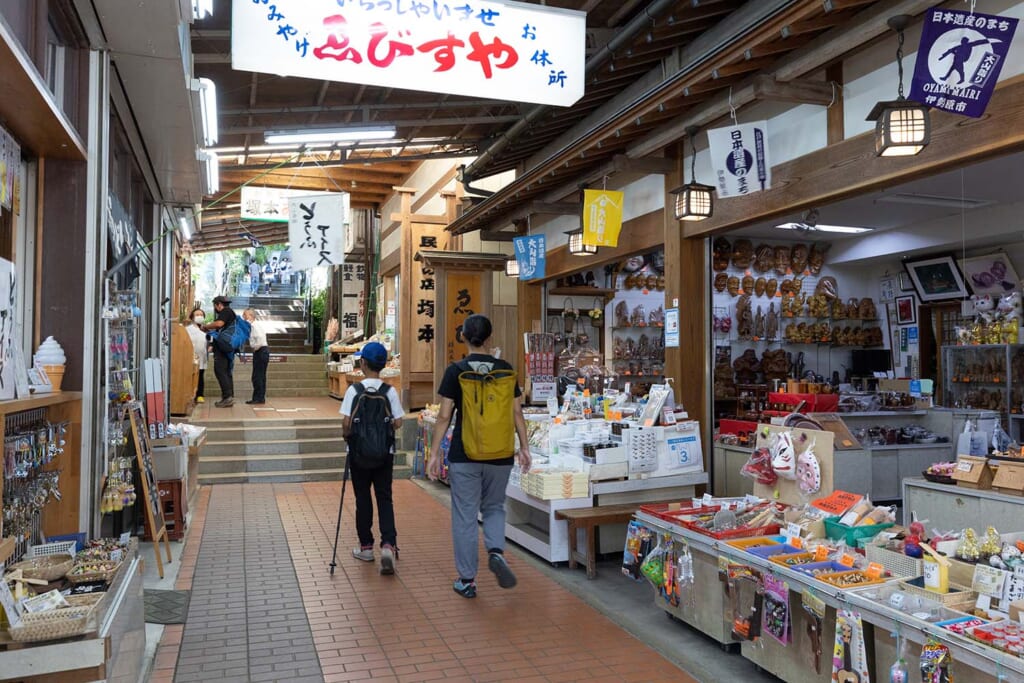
[372, 358]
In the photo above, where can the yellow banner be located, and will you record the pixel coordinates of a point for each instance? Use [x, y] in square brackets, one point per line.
[602, 217]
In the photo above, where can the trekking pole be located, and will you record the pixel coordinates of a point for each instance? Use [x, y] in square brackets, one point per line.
[337, 529]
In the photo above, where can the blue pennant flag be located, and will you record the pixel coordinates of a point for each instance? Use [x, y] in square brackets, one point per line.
[531, 253]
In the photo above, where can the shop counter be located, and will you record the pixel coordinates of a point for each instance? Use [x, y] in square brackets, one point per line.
[957, 507]
[114, 652]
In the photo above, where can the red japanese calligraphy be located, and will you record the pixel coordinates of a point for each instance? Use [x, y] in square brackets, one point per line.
[395, 49]
[445, 55]
[484, 53]
[336, 46]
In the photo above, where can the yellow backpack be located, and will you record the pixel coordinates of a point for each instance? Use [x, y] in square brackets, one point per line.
[488, 396]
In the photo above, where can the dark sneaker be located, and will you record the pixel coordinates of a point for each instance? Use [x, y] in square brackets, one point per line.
[254, 402]
[225, 403]
[387, 560]
[497, 564]
[466, 589]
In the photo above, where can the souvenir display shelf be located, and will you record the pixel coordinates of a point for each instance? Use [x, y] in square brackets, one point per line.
[114, 651]
[985, 377]
[794, 663]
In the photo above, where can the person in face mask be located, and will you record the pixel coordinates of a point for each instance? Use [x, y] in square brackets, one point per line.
[201, 344]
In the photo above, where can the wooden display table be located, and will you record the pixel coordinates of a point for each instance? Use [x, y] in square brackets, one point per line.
[587, 520]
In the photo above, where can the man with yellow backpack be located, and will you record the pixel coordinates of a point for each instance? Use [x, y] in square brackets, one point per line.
[490, 413]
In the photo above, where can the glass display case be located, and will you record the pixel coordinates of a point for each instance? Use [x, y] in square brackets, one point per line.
[984, 377]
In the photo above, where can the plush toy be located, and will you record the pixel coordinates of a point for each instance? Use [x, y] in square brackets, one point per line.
[1009, 306]
[984, 304]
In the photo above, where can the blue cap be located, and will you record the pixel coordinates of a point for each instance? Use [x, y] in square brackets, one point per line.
[374, 353]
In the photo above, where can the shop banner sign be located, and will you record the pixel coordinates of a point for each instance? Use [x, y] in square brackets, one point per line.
[353, 298]
[481, 48]
[463, 299]
[316, 229]
[959, 60]
[739, 157]
[602, 217]
[531, 253]
[269, 204]
[10, 164]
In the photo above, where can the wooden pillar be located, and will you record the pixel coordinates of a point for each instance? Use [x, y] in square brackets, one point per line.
[686, 275]
[529, 298]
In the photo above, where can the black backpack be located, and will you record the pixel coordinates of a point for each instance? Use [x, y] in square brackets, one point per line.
[371, 437]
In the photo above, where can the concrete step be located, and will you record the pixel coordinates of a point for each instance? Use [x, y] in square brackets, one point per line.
[290, 477]
[280, 371]
[250, 433]
[301, 446]
[271, 422]
[272, 463]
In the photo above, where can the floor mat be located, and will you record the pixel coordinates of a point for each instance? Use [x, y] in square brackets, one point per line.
[166, 607]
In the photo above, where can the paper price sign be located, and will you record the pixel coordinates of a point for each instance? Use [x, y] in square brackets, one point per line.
[988, 580]
[821, 554]
[875, 570]
[963, 466]
[9, 605]
[846, 560]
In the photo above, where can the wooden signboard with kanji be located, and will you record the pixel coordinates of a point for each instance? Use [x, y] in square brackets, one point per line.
[463, 298]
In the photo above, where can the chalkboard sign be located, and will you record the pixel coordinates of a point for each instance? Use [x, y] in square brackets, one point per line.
[154, 516]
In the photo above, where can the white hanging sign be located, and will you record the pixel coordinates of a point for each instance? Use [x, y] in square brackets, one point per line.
[480, 48]
[739, 157]
[316, 229]
[268, 204]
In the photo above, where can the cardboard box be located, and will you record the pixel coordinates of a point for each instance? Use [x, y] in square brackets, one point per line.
[1016, 610]
[1009, 478]
[900, 385]
[973, 472]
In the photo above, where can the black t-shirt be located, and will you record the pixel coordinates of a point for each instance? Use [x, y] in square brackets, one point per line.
[450, 389]
[226, 316]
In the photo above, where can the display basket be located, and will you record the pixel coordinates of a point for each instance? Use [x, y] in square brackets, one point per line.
[895, 563]
[852, 534]
[815, 569]
[749, 544]
[768, 552]
[938, 478]
[793, 560]
[731, 534]
[676, 515]
[45, 567]
[959, 598]
[842, 579]
[67, 547]
[63, 622]
[105, 571]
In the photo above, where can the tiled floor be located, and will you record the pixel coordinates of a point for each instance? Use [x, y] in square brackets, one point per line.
[409, 627]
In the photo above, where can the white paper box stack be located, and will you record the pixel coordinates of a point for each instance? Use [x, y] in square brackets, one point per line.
[554, 485]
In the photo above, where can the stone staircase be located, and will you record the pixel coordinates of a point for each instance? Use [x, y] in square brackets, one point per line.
[282, 313]
[299, 376]
[278, 451]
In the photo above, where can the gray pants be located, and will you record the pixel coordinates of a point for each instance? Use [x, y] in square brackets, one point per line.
[477, 488]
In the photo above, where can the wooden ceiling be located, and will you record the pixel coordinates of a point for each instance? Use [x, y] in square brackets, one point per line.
[449, 126]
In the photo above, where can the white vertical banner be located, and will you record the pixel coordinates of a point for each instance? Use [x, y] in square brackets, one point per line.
[316, 229]
[739, 157]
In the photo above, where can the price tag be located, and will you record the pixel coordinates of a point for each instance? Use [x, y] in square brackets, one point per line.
[126, 538]
[875, 570]
[9, 605]
[821, 553]
[988, 580]
[794, 530]
[846, 560]
[813, 604]
[963, 466]
[707, 500]
[796, 542]
[552, 406]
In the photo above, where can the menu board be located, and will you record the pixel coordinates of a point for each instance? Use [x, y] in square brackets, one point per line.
[144, 455]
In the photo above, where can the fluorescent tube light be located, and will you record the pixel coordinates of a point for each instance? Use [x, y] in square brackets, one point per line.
[846, 229]
[202, 8]
[212, 170]
[208, 110]
[934, 200]
[186, 232]
[314, 135]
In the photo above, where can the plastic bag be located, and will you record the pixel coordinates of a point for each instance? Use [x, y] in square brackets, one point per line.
[775, 617]
[759, 467]
[971, 441]
[638, 544]
[653, 566]
[936, 663]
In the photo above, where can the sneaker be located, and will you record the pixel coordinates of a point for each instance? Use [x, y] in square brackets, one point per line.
[466, 589]
[225, 403]
[497, 564]
[363, 553]
[387, 560]
[253, 402]
[200, 400]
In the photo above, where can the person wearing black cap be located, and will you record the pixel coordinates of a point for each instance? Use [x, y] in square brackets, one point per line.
[222, 362]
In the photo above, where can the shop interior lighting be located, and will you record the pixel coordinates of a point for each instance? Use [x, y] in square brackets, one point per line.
[207, 110]
[329, 135]
[576, 246]
[202, 8]
[211, 166]
[512, 267]
[186, 231]
[694, 201]
[902, 127]
[845, 229]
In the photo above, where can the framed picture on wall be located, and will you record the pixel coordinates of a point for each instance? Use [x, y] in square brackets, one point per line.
[887, 289]
[906, 310]
[905, 284]
[990, 274]
[936, 278]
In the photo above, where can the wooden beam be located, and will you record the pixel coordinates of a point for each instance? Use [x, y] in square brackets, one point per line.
[799, 91]
[850, 168]
[421, 218]
[646, 165]
[552, 208]
[497, 236]
[528, 301]
[836, 113]
[639, 235]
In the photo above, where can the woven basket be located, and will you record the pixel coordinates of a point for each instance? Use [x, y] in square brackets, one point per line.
[963, 598]
[105, 573]
[898, 564]
[46, 567]
[64, 622]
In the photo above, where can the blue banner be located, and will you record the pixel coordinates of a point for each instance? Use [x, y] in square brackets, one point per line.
[959, 60]
[531, 253]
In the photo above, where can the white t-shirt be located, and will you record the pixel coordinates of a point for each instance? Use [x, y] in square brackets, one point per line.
[199, 342]
[350, 396]
[258, 336]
